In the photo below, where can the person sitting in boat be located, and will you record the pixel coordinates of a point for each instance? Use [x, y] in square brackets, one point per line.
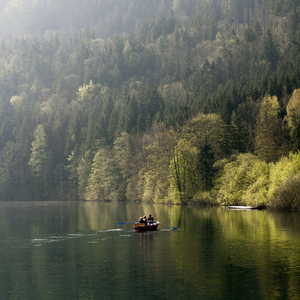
[150, 219]
[143, 219]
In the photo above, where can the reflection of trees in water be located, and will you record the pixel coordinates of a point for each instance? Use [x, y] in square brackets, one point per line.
[239, 253]
[216, 254]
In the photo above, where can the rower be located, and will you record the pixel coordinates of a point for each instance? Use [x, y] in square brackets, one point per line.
[150, 219]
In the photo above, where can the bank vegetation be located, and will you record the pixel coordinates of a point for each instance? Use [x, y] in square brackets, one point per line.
[170, 102]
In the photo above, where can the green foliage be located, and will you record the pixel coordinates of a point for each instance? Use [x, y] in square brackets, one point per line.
[205, 129]
[183, 171]
[149, 100]
[247, 179]
[269, 143]
[39, 162]
[257, 191]
[287, 194]
[242, 178]
[269, 49]
[284, 176]
[123, 155]
[7, 170]
[153, 183]
[284, 183]
[103, 179]
[293, 117]
[38, 159]
[207, 135]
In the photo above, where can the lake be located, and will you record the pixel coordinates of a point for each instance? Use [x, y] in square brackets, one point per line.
[76, 250]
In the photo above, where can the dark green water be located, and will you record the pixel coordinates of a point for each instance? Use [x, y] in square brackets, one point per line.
[71, 250]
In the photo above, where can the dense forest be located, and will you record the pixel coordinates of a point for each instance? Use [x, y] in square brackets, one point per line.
[165, 101]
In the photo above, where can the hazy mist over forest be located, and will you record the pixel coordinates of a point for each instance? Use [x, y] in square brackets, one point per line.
[165, 101]
[69, 17]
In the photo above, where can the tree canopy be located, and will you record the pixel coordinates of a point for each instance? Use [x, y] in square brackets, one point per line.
[118, 100]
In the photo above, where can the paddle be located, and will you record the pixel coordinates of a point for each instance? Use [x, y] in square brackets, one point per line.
[174, 228]
[124, 223]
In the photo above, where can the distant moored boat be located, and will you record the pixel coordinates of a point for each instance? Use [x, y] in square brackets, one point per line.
[246, 207]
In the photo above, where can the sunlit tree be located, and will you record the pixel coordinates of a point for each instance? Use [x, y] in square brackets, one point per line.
[183, 168]
[157, 152]
[293, 117]
[269, 140]
[39, 162]
[103, 179]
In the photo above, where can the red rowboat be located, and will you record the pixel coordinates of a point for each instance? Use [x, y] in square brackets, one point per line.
[149, 226]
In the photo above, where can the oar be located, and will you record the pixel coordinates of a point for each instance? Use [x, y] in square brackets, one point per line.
[124, 223]
[174, 228]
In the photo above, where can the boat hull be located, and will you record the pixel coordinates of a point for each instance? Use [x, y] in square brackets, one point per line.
[246, 207]
[142, 227]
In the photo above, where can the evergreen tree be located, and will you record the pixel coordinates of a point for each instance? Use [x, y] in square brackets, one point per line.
[205, 166]
[269, 49]
[7, 172]
[39, 163]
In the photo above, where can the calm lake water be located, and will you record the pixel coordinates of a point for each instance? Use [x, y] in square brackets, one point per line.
[76, 250]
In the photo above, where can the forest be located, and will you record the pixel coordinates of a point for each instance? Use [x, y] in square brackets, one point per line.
[168, 101]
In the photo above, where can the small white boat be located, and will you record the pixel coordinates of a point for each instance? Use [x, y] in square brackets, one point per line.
[246, 207]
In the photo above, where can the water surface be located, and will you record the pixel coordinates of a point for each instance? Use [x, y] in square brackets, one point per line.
[76, 250]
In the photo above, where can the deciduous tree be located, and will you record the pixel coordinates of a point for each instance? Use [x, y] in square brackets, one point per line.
[269, 140]
[293, 117]
[103, 179]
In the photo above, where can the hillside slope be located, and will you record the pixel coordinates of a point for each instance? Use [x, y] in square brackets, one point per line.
[116, 100]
